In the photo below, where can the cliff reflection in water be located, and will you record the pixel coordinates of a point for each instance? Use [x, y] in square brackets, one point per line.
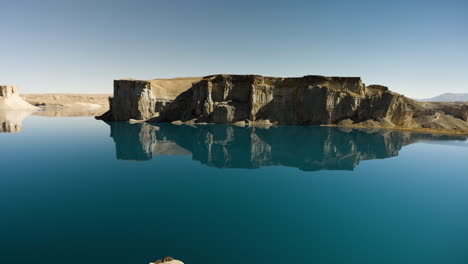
[11, 121]
[308, 148]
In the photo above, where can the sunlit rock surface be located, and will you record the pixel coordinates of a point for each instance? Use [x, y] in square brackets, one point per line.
[168, 262]
[13, 109]
[308, 100]
[10, 99]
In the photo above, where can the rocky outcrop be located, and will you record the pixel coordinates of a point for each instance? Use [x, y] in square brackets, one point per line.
[458, 110]
[10, 99]
[309, 148]
[167, 260]
[142, 100]
[13, 109]
[253, 99]
[8, 90]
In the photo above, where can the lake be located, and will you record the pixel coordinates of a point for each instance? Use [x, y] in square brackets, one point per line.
[78, 190]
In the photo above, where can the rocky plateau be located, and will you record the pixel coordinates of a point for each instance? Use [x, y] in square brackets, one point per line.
[260, 100]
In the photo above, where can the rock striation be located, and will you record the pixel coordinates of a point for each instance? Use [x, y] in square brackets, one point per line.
[309, 148]
[10, 99]
[255, 99]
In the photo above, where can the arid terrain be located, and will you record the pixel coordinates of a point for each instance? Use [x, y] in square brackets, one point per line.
[14, 108]
[68, 100]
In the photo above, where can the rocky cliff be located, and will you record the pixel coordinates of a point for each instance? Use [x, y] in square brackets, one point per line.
[254, 99]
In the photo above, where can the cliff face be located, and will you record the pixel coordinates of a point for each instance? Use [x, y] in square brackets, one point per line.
[8, 91]
[308, 148]
[259, 99]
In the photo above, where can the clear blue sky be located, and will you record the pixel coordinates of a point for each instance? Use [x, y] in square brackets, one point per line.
[417, 48]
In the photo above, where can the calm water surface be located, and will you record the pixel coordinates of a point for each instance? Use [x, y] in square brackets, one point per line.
[77, 190]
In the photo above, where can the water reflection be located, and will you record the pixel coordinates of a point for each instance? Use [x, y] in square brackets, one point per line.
[308, 148]
[70, 111]
[12, 121]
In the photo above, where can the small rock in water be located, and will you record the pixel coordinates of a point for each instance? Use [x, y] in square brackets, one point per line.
[167, 260]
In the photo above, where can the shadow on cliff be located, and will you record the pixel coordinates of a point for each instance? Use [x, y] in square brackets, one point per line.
[308, 148]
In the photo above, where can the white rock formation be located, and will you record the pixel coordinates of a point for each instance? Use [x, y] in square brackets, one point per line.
[10, 99]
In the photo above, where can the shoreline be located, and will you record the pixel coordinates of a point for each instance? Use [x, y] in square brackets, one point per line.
[408, 129]
[263, 125]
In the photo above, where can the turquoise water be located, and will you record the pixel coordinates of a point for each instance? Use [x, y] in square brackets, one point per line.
[77, 190]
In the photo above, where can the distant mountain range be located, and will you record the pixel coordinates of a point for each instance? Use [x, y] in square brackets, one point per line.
[447, 97]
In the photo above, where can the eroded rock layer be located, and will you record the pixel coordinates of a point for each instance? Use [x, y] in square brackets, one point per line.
[263, 100]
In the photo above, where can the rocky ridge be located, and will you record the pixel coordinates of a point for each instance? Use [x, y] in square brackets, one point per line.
[255, 99]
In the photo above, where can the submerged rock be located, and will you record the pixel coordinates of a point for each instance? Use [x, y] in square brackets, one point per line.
[251, 99]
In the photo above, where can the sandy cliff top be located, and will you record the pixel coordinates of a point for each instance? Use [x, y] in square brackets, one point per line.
[170, 88]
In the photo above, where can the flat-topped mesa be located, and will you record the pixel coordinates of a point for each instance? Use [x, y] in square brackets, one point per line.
[223, 98]
[256, 99]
